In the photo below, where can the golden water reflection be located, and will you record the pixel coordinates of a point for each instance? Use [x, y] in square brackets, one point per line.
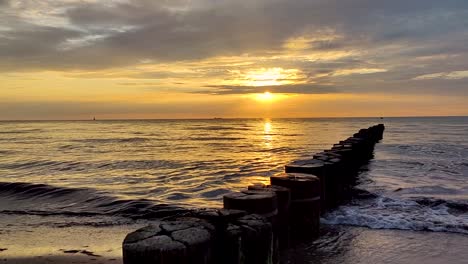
[267, 133]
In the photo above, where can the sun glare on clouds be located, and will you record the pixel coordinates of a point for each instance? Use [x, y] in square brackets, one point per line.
[270, 76]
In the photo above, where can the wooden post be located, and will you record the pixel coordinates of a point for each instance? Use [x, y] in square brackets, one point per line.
[283, 197]
[262, 203]
[281, 226]
[321, 168]
[227, 243]
[305, 201]
[169, 242]
[257, 244]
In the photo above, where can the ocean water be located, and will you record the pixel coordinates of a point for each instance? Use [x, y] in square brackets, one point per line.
[103, 173]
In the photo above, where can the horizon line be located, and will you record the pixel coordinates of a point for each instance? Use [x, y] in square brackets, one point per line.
[221, 118]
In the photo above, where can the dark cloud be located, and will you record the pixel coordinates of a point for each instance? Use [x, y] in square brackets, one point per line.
[147, 29]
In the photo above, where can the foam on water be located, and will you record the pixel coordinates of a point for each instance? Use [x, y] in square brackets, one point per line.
[388, 213]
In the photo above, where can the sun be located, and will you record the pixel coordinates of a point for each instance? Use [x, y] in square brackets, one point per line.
[266, 96]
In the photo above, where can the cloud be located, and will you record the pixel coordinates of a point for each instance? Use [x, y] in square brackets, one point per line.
[455, 75]
[338, 46]
[289, 89]
[357, 71]
[124, 32]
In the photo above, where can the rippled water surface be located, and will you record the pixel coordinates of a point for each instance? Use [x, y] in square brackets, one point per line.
[184, 161]
[419, 175]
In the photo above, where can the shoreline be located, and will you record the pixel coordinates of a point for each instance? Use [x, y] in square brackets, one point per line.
[337, 244]
[75, 244]
[228, 118]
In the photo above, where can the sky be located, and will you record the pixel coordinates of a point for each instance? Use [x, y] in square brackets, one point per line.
[116, 59]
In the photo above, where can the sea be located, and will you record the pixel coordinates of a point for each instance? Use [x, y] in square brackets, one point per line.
[108, 173]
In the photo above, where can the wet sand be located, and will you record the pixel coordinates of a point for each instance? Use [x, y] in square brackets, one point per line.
[337, 244]
[344, 244]
[77, 244]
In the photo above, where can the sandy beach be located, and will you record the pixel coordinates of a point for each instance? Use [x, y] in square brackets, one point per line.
[337, 244]
[77, 244]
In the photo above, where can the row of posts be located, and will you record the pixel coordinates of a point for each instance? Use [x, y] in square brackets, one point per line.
[258, 222]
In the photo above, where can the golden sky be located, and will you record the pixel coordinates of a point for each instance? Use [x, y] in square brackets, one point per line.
[75, 59]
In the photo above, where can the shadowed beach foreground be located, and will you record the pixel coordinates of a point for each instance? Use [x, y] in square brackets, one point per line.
[78, 244]
[337, 244]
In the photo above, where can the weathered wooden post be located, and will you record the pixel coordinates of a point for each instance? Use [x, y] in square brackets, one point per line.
[169, 242]
[258, 245]
[319, 167]
[283, 195]
[257, 242]
[227, 244]
[334, 174]
[305, 201]
[380, 129]
[254, 202]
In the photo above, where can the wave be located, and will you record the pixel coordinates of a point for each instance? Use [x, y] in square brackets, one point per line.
[23, 131]
[58, 165]
[140, 164]
[112, 140]
[7, 152]
[46, 200]
[53, 165]
[215, 138]
[419, 214]
[219, 128]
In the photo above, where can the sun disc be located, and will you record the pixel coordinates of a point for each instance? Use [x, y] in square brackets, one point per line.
[266, 96]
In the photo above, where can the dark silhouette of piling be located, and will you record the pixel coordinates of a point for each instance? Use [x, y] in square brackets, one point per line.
[255, 202]
[283, 198]
[257, 241]
[264, 204]
[281, 225]
[305, 201]
[170, 242]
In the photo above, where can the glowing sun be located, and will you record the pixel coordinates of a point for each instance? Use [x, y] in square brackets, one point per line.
[266, 96]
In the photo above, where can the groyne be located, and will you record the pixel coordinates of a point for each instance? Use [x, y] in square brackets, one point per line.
[256, 223]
